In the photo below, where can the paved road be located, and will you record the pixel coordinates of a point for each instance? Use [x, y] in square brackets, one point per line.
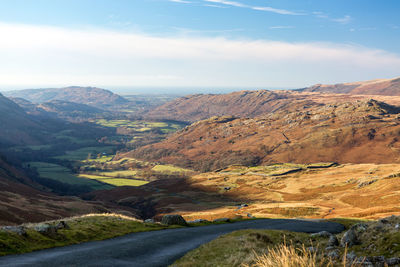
[157, 248]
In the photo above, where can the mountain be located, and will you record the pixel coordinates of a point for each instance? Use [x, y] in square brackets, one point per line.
[247, 104]
[243, 103]
[304, 132]
[91, 96]
[17, 127]
[23, 201]
[388, 87]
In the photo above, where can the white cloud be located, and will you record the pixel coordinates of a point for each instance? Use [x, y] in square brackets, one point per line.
[229, 3]
[346, 19]
[281, 27]
[50, 56]
[259, 8]
[181, 1]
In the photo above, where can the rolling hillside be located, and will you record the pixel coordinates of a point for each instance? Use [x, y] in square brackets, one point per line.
[24, 201]
[91, 96]
[388, 87]
[305, 132]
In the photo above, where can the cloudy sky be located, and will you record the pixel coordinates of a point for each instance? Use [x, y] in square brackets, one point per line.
[196, 43]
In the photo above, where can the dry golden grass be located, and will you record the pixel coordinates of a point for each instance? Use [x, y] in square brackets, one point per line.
[289, 256]
[339, 191]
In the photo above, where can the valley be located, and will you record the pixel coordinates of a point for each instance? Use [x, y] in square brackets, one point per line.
[238, 156]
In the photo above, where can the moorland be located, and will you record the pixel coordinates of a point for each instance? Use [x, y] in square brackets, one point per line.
[323, 152]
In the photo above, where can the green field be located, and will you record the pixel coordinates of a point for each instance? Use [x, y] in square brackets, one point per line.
[84, 153]
[170, 169]
[114, 181]
[64, 175]
[141, 126]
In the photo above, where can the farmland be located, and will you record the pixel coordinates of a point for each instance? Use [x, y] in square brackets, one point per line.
[64, 175]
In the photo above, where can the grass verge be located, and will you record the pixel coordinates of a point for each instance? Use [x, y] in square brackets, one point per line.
[81, 229]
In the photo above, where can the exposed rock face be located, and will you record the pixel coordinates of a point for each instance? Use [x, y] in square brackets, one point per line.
[333, 241]
[62, 225]
[46, 229]
[20, 230]
[321, 234]
[349, 239]
[173, 219]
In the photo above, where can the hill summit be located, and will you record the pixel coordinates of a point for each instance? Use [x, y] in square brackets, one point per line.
[91, 96]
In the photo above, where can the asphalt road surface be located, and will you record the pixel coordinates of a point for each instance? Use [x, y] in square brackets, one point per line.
[157, 248]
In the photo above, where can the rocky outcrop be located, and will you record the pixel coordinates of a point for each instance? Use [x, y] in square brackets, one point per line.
[173, 219]
[349, 239]
[20, 230]
[46, 229]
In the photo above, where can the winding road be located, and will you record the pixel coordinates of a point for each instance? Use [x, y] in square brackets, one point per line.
[156, 248]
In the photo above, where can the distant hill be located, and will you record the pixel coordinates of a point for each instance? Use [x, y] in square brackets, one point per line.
[388, 87]
[91, 96]
[242, 104]
[304, 132]
[247, 104]
[65, 109]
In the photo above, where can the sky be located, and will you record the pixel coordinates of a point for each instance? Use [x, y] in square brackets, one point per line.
[212, 45]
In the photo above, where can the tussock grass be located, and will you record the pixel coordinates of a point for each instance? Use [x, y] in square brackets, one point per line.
[285, 255]
[289, 256]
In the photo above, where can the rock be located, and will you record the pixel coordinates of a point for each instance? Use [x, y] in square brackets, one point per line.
[397, 226]
[321, 234]
[62, 225]
[359, 227]
[249, 215]
[173, 219]
[46, 229]
[244, 205]
[221, 220]
[20, 230]
[351, 256]
[384, 220]
[349, 239]
[227, 188]
[199, 221]
[334, 254]
[149, 221]
[333, 241]
[393, 261]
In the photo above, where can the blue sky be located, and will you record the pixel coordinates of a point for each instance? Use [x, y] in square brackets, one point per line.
[197, 43]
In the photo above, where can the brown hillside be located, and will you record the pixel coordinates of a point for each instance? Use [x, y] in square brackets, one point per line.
[247, 104]
[388, 87]
[21, 202]
[306, 132]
